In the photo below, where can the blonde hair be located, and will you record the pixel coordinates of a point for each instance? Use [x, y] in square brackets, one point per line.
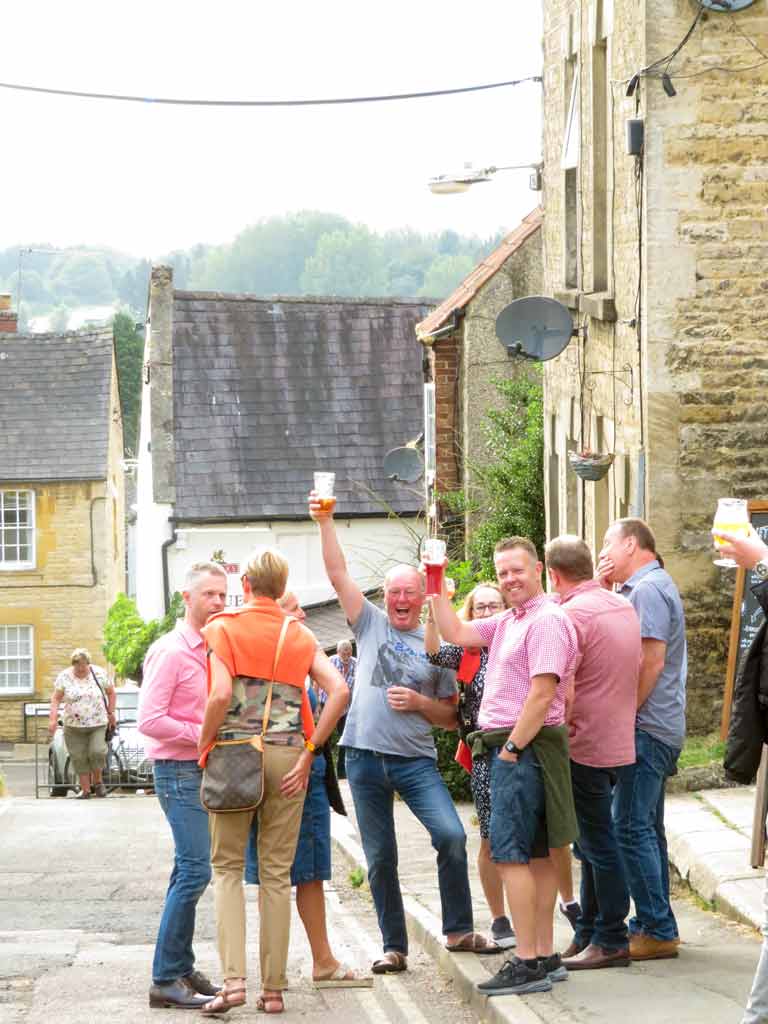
[267, 573]
[465, 612]
[79, 654]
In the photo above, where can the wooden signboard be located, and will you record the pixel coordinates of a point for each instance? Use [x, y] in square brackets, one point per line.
[746, 616]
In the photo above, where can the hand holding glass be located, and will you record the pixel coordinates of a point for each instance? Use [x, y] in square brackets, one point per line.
[732, 517]
[434, 563]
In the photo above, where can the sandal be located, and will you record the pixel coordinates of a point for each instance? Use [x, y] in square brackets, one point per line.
[226, 1000]
[473, 942]
[342, 977]
[267, 1003]
[391, 963]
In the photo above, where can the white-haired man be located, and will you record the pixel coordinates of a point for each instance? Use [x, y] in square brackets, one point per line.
[346, 663]
[171, 708]
[397, 698]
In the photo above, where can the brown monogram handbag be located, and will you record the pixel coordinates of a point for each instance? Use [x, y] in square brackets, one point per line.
[233, 777]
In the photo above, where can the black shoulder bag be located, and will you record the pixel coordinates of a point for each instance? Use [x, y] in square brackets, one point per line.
[110, 731]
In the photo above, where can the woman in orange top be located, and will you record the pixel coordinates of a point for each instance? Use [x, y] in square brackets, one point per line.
[241, 651]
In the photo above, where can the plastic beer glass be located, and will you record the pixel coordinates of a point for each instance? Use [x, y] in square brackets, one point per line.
[434, 557]
[731, 516]
[324, 487]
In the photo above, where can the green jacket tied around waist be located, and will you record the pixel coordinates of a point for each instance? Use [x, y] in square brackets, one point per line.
[550, 745]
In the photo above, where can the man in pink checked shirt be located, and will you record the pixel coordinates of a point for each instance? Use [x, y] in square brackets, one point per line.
[171, 708]
[531, 652]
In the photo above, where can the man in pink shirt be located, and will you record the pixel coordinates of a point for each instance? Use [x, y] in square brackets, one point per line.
[171, 708]
[602, 742]
[531, 651]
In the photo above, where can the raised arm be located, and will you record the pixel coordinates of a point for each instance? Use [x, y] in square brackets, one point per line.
[350, 595]
[450, 625]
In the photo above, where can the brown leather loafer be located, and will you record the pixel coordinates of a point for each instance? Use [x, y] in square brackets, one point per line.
[645, 947]
[573, 950]
[594, 957]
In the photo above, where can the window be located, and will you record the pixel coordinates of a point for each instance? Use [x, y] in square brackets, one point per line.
[16, 667]
[17, 530]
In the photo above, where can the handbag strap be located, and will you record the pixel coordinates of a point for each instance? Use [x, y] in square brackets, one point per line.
[278, 651]
[101, 689]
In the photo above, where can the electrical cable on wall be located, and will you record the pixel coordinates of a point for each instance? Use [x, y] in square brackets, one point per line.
[123, 98]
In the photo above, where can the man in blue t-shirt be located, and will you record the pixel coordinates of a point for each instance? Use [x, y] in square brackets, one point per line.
[629, 558]
[398, 696]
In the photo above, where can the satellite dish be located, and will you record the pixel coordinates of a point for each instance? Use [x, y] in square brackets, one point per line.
[535, 327]
[404, 465]
[726, 5]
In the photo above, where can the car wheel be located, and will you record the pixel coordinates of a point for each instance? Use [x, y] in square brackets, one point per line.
[54, 786]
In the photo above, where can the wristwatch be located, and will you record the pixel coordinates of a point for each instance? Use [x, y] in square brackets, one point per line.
[761, 569]
[512, 748]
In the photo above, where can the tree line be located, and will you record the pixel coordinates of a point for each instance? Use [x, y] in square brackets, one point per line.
[303, 253]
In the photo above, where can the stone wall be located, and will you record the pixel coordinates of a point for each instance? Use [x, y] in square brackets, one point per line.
[693, 428]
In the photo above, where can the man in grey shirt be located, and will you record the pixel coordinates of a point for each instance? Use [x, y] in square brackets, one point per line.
[629, 558]
[398, 696]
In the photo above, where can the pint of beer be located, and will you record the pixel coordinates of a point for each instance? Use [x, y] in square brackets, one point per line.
[434, 557]
[731, 516]
[324, 487]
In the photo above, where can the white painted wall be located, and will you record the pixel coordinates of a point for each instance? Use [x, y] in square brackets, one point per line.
[152, 526]
[370, 545]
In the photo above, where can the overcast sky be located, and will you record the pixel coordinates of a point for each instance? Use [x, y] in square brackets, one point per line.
[147, 179]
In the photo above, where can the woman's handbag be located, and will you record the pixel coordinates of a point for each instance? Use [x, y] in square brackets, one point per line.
[110, 730]
[335, 799]
[233, 770]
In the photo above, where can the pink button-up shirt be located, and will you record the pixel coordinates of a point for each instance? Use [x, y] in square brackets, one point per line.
[173, 695]
[535, 639]
[602, 724]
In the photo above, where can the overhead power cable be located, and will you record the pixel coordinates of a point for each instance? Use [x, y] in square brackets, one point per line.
[264, 103]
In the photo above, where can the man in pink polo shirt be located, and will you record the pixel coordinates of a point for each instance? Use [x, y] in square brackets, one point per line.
[171, 708]
[602, 742]
[532, 648]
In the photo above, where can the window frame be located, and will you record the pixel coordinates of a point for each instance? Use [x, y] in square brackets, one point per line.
[20, 691]
[19, 565]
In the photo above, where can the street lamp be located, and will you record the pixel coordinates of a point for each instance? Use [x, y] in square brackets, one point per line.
[449, 184]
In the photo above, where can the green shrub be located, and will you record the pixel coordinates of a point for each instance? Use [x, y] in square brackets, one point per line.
[127, 637]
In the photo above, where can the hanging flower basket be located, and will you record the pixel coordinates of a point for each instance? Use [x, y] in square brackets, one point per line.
[590, 465]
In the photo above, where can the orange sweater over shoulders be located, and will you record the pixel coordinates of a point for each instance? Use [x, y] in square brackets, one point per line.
[245, 639]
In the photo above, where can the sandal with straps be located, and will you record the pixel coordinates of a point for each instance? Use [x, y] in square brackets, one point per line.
[264, 1002]
[225, 1001]
[391, 963]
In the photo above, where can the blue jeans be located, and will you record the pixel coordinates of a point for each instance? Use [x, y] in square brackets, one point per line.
[604, 896]
[638, 815]
[518, 813]
[177, 784]
[374, 779]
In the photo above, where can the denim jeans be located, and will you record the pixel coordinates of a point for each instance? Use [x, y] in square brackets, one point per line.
[604, 896]
[374, 779]
[638, 815]
[757, 1005]
[177, 784]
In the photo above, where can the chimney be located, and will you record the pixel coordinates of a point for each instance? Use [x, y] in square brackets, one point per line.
[8, 319]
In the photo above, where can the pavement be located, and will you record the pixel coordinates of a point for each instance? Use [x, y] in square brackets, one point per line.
[719, 916]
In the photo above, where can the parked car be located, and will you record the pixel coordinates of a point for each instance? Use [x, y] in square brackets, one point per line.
[127, 762]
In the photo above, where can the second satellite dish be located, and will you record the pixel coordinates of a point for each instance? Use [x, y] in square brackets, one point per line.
[403, 464]
[536, 327]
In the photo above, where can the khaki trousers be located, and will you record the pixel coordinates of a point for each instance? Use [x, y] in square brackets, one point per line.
[279, 821]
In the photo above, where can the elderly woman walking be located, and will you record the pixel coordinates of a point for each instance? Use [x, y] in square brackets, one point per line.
[88, 700]
[244, 657]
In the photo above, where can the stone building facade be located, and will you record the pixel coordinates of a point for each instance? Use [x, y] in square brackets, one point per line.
[661, 256]
[465, 355]
[62, 553]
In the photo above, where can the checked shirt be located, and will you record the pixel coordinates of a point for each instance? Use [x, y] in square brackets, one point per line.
[535, 639]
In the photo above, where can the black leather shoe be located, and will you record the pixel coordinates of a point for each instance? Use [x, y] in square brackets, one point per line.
[177, 994]
[198, 981]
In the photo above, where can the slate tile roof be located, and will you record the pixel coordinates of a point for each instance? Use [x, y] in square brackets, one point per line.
[54, 406]
[483, 272]
[266, 391]
[329, 624]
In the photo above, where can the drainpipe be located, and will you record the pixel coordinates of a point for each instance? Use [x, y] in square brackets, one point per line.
[164, 556]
